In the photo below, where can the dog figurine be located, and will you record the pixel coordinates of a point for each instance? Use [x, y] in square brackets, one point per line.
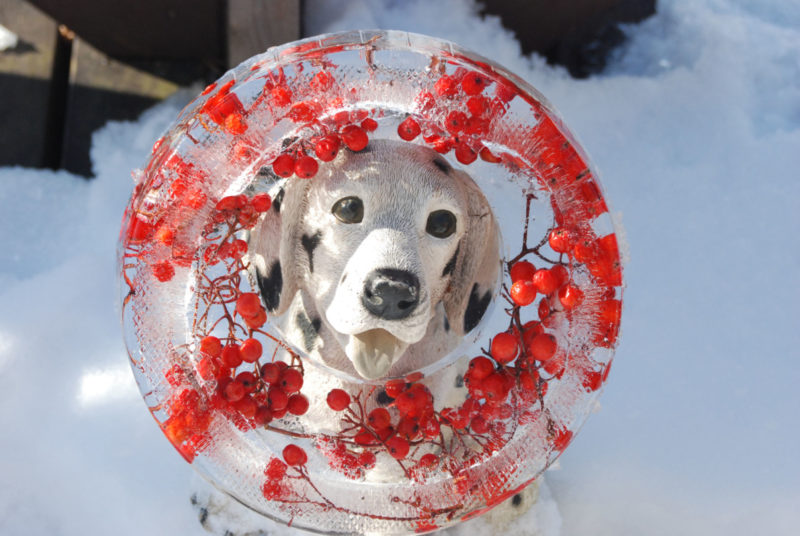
[384, 261]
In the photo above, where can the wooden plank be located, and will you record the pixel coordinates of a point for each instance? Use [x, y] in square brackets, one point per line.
[25, 84]
[146, 29]
[255, 25]
[102, 89]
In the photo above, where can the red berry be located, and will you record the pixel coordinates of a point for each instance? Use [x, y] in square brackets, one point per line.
[283, 166]
[278, 400]
[270, 372]
[302, 112]
[543, 347]
[291, 380]
[479, 425]
[522, 270]
[479, 368]
[231, 356]
[327, 147]
[504, 347]
[523, 292]
[354, 137]
[561, 274]
[163, 271]
[369, 124]
[298, 404]
[446, 86]
[257, 320]
[263, 416]
[338, 399]
[247, 407]
[465, 154]
[294, 455]
[211, 345]
[366, 459]
[395, 387]
[560, 240]
[408, 129]
[455, 121]
[397, 447]
[379, 418]
[570, 296]
[234, 391]
[592, 380]
[248, 304]
[545, 282]
[428, 460]
[474, 83]
[477, 105]
[261, 202]
[306, 167]
[248, 380]
[250, 350]
[495, 387]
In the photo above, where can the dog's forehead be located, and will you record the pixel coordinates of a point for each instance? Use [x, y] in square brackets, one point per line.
[394, 167]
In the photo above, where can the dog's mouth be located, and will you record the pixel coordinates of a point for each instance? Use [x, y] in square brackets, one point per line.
[373, 352]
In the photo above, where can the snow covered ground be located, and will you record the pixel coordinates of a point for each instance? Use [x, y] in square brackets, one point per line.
[695, 128]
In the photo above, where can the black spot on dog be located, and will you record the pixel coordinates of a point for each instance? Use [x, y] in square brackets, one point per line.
[277, 200]
[516, 500]
[271, 286]
[459, 381]
[383, 399]
[310, 329]
[451, 264]
[310, 243]
[442, 164]
[446, 324]
[476, 307]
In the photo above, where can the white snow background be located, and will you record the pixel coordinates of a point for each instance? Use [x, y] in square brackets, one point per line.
[695, 127]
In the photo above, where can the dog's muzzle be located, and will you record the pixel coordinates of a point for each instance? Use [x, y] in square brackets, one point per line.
[390, 294]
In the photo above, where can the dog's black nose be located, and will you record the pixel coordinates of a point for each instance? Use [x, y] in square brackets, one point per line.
[391, 294]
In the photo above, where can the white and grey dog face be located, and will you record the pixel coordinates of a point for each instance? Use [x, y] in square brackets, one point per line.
[380, 242]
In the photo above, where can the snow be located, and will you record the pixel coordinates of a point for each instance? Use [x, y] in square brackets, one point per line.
[695, 127]
[8, 39]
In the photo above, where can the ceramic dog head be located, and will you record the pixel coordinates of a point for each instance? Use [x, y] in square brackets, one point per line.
[387, 255]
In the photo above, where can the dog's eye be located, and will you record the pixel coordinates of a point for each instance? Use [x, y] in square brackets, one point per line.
[349, 210]
[441, 223]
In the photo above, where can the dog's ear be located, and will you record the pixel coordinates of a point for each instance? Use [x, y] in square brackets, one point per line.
[473, 278]
[273, 245]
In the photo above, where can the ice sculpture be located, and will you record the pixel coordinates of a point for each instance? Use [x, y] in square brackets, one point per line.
[370, 284]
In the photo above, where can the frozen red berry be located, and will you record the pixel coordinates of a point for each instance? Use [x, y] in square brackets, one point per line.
[291, 380]
[354, 137]
[545, 281]
[283, 166]
[523, 292]
[522, 270]
[298, 404]
[338, 399]
[398, 447]
[248, 304]
[504, 347]
[306, 167]
[327, 147]
[474, 83]
[543, 347]
[250, 350]
[211, 345]
[294, 455]
[408, 129]
[231, 356]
